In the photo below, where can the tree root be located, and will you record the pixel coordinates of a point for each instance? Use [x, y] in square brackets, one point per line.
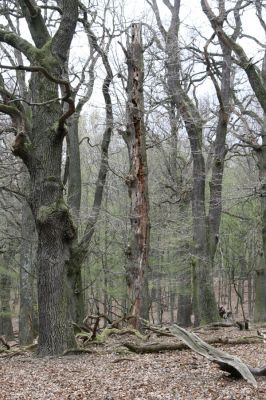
[77, 351]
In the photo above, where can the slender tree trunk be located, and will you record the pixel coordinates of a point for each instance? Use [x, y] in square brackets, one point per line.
[80, 249]
[204, 305]
[74, 176]
[215, 205]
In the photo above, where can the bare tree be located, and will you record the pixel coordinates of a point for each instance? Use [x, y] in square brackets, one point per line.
[39, 144]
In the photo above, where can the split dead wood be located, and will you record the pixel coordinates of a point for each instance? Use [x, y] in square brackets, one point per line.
[226, 362]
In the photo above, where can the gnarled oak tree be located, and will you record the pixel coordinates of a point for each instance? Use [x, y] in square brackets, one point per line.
[39, 143]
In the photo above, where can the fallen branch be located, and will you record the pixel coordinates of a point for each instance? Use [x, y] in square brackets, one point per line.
[158, 347]
[215, 325]
[10, 354]
[226, 362]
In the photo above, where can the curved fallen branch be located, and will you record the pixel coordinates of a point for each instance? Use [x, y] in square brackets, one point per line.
[226, 362]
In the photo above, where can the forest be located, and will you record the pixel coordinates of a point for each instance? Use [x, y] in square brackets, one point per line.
[133, 199]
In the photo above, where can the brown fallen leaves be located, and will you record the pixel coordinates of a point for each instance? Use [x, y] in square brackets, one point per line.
[112, 374]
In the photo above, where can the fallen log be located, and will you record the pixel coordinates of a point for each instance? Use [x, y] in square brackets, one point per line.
[226, 362]
[158, 347]
[154, 347]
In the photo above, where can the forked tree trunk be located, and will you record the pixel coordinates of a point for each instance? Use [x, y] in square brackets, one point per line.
[138, 247]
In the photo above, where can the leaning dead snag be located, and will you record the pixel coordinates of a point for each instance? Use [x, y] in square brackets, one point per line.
[227, 362]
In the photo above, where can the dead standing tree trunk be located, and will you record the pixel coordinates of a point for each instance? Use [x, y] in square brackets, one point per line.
[138, 247]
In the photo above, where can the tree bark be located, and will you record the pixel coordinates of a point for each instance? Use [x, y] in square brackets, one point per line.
[260, 273]
[27, 278]
[138, 247]
[40, 148]
[6, 327]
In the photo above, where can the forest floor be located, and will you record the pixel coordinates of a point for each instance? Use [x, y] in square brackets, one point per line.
[111, 372]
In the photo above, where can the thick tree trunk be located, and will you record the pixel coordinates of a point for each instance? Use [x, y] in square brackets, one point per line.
[260, 277]
[6, 327]
[260, 273]
[138, 248]
[54, 225]
[184, 305]
[27, 278]
[74, 271]
[40, 148]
